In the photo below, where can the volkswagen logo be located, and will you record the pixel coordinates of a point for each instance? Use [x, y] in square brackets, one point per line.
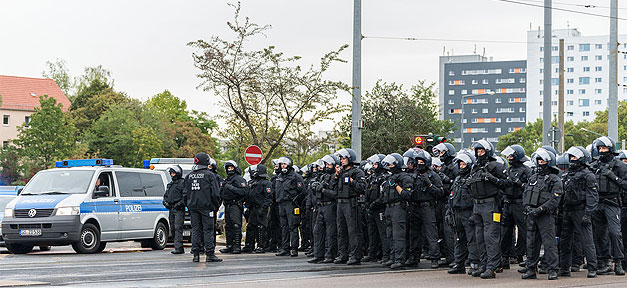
[32, 213]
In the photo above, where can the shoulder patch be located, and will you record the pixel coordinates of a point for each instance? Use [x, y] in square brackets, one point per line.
[268, 190]
[243, 184]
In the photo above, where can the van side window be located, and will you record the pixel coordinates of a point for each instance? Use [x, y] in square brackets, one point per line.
[153, 184]
[106, 179]
[129, 184]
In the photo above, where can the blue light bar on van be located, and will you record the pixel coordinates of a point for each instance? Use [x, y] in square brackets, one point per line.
[84, 162]
[146, 164]
[155, 160]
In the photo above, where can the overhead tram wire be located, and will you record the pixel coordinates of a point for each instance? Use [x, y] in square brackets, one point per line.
[592, 6]
[560, 9]
[453, 40]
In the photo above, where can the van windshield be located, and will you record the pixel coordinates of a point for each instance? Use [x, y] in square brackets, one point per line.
[59, 182]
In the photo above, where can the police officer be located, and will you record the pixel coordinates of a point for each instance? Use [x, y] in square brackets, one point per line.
[300, 202]
[325, 224]
[541, 199]
[258, 202]
[622, 156]
[379, 246]
[274, 222]
[423, 223]
[286, 189]
[578, 204]
[202, 195]
[447, 171]
[351, 181]
[213, 167]
[173, 200]
[234, 189]
[396, 190]
[611, 176]
[458, 216]
[513, 209]
[485, 182]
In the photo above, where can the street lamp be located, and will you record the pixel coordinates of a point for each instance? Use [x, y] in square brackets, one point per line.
[462, 119]
[595, 133]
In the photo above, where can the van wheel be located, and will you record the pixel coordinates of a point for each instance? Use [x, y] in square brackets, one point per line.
[102, 247]
[19, 248]
[44, 248]
[89, 240]
[160, 239]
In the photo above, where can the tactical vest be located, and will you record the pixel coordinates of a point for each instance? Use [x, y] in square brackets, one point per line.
[538, 190]
[460, 196]
[607, 187]
[575, 188]
[479, 187]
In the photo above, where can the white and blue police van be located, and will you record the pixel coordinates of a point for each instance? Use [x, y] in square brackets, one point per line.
[87, 203]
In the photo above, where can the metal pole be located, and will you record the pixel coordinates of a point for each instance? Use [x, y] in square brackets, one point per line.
[462, 125]
[546, 99]
[356, 109]
[612, 102]
[560, 111]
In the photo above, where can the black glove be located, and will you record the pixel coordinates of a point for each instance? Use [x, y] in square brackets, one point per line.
[535, 211]
[167, 205]
[491, 178]
[179, 205]
[586, 220]
[450, 220]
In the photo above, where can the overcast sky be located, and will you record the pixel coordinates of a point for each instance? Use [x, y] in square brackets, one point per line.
[143, 43]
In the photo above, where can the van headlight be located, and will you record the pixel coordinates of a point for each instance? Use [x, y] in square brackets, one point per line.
[8, 212]
[68, 211]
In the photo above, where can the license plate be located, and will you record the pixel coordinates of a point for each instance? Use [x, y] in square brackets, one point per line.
[187, 233]
[30, 232]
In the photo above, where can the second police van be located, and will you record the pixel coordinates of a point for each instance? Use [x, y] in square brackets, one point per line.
[87, 203]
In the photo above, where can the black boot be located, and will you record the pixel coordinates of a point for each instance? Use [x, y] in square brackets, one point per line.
[592, 274]
[196, 258]
[604, 269]
[283, 252]
[294, 253]
[552, 275]
[530, 274]
[237, 242]
[396, 266]
[523, 269]
[178, 251]
[505, 263]
[353, 261]
[457, 269]
[478, 271]
[411, 261]
[212, 258]
[226, 250]
[563, 273]
[488, 274]
[618, 268]
[315, 260]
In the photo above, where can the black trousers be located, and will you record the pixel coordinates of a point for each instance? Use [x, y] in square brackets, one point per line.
[396, 219]
[325, 231]
[541, 231]
[349, 233]
[423, 228]
[381, 224]
[606, 222]
[572, 224]
[256, 229]
[466, 243]
[202, 231]
[513, 217]
[289, 226]
[623, 229]
[233, 221]
[445, 232]
[177, 218]
[488, 233]
[274, 227]
[305, 227]
[374, 239]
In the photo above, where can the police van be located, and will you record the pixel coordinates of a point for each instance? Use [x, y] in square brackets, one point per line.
[87, 203]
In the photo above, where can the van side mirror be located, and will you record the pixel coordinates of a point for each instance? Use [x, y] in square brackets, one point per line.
[103, 191]
[19, 191]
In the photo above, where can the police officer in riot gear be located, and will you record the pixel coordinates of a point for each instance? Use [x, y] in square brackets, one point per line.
[611, 175]
[541, 199]
[513, 209]
[458, 216]
[274, 222]
[234, 189]
[325, 224]
[485, 182]
[202, 196]
[379, 246]
[396, 190]
[579, 202]
[351, 182]
[286, 188]
[173, 200]
[622, 156]
[445, 152]
[258, 202]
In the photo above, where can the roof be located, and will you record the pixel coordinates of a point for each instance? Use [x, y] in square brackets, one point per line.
[22, 93]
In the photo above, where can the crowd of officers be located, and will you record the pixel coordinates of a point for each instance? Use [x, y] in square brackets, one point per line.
[467, 209]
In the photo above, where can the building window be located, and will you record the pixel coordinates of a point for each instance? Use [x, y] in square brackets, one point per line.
[451, 92]
[542, 70]
[451, 102]
[5, 120]
[497, 130]
[584, 58]
[598, 102]
[555, 81]
[570, 47]
[522, 110]
[554, 103]
[485, 81]
[484, 110]
[570, 80]
[598, 69]
[569, 114]
[584, 80]
[584, 102]
[474, 111]
[586, 69]
[464, 92]
[497, 100]
[598, 80]
[582, 91]
[27, 121]
[598, 57]
[571, 69]
[586, 113]
[523, 80]
[570, 92]
[475, 82]
[598, 46]
[451, 73]
[555, 59]
[554, 48]
[584, 47]
[456, 82]
[570, 102]
[570, 58]
[5, 144]
[598, 91]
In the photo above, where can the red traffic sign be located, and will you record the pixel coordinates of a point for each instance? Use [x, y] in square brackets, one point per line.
[418, 140]
[253, 155]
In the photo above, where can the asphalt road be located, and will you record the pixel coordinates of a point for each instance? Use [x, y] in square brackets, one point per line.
[127, 265]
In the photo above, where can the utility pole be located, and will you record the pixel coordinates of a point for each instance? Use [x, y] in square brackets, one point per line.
[560, 109]
[612, 102]
[546, 99]
[356, 104]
